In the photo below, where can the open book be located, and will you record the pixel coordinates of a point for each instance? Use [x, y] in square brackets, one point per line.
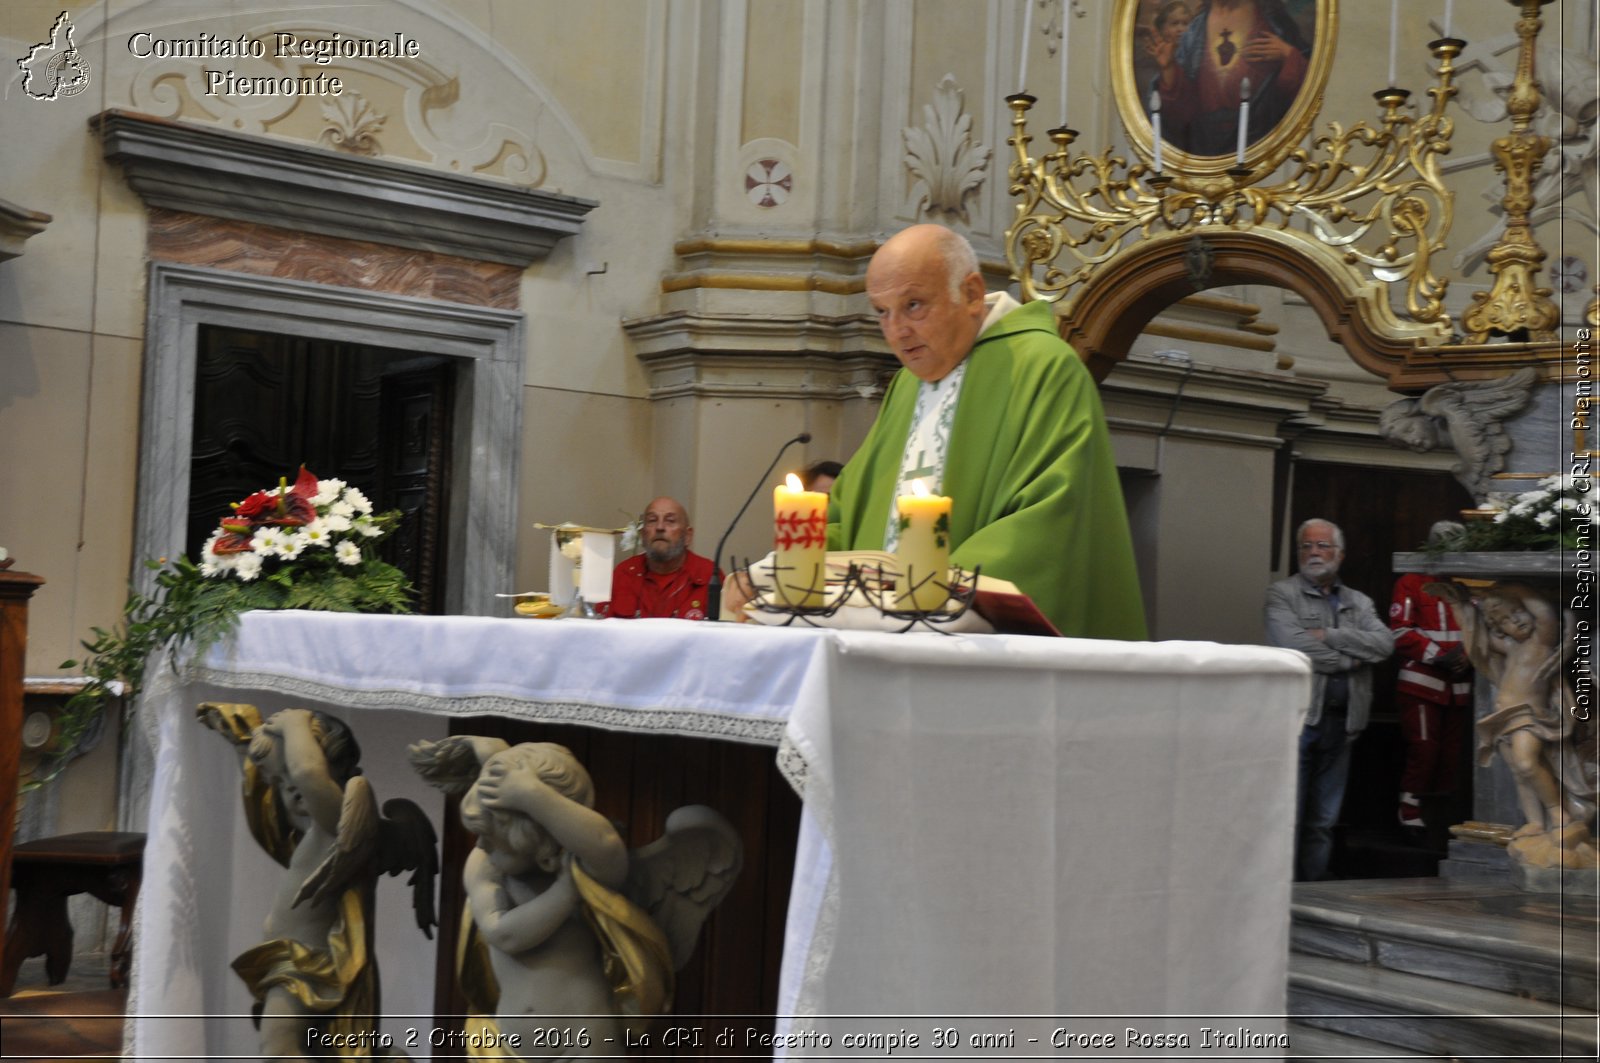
[996, 600]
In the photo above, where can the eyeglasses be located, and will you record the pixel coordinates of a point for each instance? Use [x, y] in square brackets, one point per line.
[1318, 546]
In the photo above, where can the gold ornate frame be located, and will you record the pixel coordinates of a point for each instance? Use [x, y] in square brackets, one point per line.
[1261, 156]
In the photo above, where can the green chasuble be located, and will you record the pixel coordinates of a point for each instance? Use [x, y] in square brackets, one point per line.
[1035, 496]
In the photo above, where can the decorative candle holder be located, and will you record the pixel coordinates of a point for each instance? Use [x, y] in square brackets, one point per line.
[963, 591]
[772, 600]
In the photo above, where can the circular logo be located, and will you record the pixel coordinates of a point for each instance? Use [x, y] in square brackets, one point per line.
[67, 74]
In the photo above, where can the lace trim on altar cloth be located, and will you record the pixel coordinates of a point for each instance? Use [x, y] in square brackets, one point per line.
[689, 722]
[792, 765]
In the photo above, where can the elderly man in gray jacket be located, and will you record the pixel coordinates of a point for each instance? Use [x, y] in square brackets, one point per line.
[1338, 628]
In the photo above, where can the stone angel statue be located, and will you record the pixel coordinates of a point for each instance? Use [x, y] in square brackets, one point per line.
[564, 920]
[1514, 635]
[315, 978]
[1465, 416]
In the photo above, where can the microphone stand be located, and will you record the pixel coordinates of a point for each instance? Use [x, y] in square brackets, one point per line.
[714, 590]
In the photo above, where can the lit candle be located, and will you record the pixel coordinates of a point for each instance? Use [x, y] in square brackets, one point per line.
[1022, 64]
[800, 533]
[1394, 38]
[1066, 36]
[1155, 126]
[924, 550]
[1244, 118]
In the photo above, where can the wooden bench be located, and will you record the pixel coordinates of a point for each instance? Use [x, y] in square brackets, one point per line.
[105, 864]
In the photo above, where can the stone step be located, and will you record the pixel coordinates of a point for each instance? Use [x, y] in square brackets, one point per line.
[1309, 1042]
[1538, 946]
[1433, 1016]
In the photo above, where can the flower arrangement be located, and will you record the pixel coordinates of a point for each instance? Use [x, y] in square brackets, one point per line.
[1560, 512]
[310, 546]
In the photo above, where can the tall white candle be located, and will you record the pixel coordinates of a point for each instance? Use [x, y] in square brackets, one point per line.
[1449, 10]
[800, 523]
[1155, 125]
[1244, 119]
[924, 550]
[1066, 37]
[1022, 63]
[1394, 38]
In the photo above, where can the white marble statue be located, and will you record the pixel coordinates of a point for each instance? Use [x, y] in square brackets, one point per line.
[571, 922]
[1515, 637]
[315, 978]
[1465, 417]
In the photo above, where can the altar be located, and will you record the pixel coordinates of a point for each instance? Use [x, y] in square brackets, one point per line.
[993, 825]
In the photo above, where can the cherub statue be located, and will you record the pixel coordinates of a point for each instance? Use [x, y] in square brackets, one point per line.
[573, 923]
[1465, 416]
[310, 808]
[1514, 636]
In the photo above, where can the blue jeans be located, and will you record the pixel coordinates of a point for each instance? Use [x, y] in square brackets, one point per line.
[1324, 767]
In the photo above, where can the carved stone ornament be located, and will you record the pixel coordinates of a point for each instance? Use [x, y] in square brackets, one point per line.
[353, 125]
[947, 166]
[565, 920]
[1465, 417]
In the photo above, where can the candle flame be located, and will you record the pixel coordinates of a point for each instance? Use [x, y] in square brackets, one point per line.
[794, 483]
[919, 489]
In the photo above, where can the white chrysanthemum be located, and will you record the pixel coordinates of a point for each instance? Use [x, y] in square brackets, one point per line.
[267, 541]
[317, 533]
[341, 509]
[367, 528]
[208, 569]
[1546, 518]
[1500, 517]
[347, 553]
[354, 496]
[1521, 509]
[249, 567]
[293, 546]
[327, 492]
[336, 522]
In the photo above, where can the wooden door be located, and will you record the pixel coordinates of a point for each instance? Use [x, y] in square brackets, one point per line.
[377, 418]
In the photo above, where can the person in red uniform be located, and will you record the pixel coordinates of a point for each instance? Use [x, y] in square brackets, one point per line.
[667, 579]
[1433, 690]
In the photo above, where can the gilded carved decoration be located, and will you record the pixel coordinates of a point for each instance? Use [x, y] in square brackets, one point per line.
[1517, 305]
[1365, 202]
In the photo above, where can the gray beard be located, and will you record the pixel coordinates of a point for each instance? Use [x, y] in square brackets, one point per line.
[666, 554]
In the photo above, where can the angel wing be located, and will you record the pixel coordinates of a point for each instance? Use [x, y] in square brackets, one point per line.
[1472, 411]
[352, 851]
[369, 844]
[681, 876]
[452, 764]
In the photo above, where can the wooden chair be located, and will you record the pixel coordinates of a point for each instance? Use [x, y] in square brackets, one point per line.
[106, 864]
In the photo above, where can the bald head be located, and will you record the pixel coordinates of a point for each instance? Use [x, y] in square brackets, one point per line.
[926, 290]
[666, 534]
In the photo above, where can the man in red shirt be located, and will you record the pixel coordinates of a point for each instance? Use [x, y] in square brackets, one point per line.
[667, 579]
[1433, 690]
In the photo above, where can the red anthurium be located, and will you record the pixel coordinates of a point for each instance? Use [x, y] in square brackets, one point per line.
[258, 505]
[294, 506]
[234, 537]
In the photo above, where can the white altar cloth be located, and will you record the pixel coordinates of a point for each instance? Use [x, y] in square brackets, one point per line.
[994, 824]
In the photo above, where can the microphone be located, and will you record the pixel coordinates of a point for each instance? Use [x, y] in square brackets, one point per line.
[714, 590]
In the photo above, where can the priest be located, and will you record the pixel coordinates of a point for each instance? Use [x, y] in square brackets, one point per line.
[993, 409]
